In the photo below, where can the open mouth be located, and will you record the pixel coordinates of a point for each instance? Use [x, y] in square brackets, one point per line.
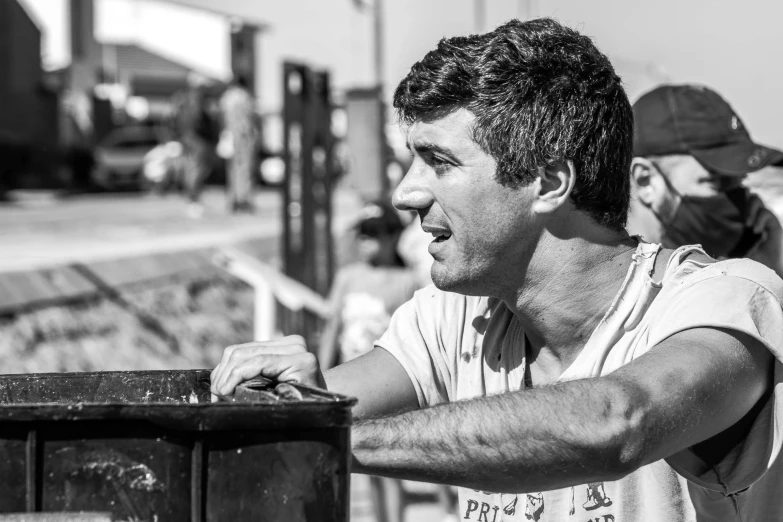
[440, 233]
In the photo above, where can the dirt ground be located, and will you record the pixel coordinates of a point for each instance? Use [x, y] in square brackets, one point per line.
[180, 323]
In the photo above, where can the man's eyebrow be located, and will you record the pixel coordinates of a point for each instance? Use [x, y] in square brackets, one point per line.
[423, 147]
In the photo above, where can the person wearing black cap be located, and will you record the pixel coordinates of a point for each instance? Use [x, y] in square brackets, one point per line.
[692, 153]
[558, 369]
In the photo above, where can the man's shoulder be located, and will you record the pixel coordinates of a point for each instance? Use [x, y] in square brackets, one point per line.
[739, 272]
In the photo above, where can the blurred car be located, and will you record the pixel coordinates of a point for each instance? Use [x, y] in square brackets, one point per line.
[119, 157]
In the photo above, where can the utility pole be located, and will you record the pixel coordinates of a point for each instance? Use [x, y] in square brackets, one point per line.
[380, 61]
[367, 119]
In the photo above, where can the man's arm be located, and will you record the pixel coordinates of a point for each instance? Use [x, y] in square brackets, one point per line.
[691, 387]
[376, 379]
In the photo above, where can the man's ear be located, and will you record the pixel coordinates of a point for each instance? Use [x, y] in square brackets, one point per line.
[556, 181]
[648, 188]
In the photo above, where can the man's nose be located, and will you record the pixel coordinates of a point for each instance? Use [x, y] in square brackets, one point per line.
[412, 193]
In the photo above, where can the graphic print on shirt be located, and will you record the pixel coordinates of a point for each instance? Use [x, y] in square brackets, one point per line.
[534, 506]
[596, 497]
[580, 502]
[481, 511]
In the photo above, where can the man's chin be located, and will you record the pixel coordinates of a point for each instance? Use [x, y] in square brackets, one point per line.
[449, 281]
[441, 278]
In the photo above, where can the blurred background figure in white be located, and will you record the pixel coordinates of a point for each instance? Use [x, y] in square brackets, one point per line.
[239, 143]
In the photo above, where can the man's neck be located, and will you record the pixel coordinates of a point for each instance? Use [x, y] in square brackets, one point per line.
[568, 288]
[643, 222]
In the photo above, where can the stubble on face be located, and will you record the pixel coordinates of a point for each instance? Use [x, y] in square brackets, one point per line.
[487, 221]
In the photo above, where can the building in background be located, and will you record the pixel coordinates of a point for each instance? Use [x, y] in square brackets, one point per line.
[28, 120]
[143, 82]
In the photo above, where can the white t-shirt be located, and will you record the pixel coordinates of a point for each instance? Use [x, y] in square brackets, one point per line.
[457, 347]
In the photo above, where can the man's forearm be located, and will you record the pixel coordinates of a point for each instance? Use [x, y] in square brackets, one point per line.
[531, 440]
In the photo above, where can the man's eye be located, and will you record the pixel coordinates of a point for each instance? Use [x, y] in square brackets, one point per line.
[438, 163]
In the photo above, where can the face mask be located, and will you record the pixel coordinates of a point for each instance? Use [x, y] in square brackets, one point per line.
[717, 223]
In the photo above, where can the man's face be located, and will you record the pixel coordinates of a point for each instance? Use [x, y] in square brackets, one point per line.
[690, 178]
[482, 230]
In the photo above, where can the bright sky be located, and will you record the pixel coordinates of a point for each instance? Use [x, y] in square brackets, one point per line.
[735, 47]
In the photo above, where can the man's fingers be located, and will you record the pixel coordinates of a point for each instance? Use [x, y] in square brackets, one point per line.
[285, 360]
[233, 355]
[285, 368]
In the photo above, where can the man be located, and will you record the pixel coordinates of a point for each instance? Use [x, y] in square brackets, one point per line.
[240, 122]
[567, 369]
[692, 154]
[195, 129]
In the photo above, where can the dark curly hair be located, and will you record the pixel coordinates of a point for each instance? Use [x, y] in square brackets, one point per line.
[541, 92]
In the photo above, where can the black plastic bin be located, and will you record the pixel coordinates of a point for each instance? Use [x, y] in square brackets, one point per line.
[150, 446]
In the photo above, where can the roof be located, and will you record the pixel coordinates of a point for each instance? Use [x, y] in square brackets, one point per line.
[135, 60]
[148, 73]
[30, 14]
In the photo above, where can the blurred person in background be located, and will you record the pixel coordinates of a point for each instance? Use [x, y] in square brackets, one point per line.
[363, 298]
[194, 128]
[692, 154]
[239, 139]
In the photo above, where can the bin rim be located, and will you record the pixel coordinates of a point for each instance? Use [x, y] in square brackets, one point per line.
[201, 416]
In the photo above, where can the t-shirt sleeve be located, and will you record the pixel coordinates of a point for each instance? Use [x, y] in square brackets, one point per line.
[424, 335]
[745, 298]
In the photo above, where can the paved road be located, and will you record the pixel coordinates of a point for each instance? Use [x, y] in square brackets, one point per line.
[42, 230]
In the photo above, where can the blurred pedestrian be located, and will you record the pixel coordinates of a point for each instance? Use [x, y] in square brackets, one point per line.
[240, 133]
[363, 298]
[195, 129]
[692, 153]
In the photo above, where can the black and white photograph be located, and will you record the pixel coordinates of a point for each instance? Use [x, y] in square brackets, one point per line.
[391, 261]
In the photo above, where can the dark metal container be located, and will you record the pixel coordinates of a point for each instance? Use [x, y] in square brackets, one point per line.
[150, 446]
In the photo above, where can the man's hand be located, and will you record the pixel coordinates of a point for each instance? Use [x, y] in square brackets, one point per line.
[769, 249]
[284, 360]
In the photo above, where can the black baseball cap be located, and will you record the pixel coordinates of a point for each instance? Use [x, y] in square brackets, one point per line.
[695, 120]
